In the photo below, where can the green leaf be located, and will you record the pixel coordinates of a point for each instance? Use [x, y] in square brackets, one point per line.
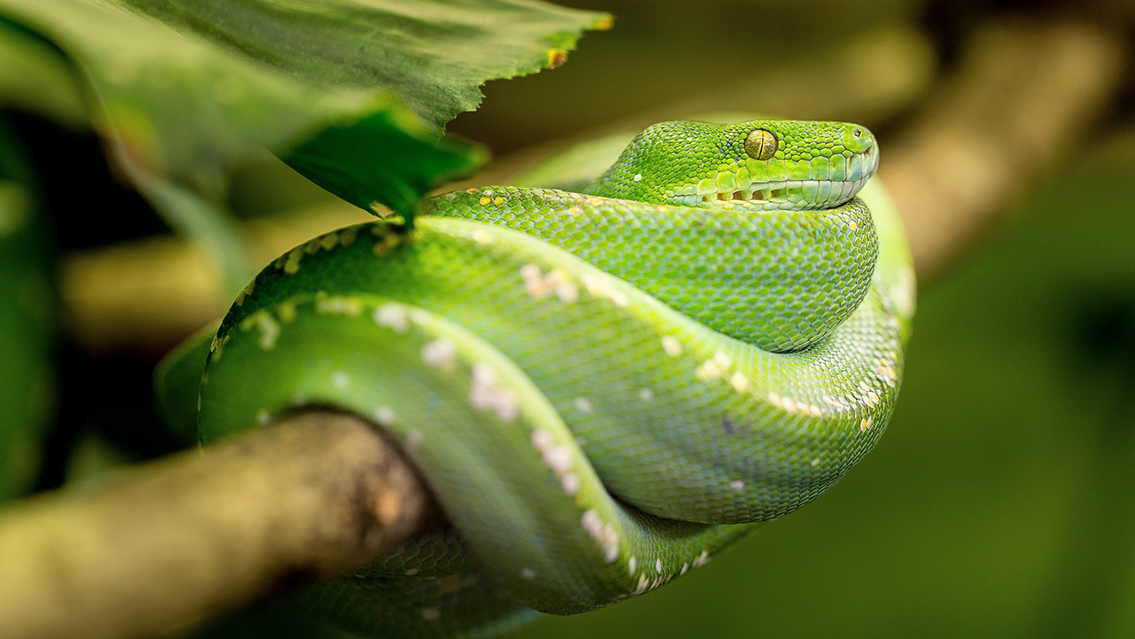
[184, 92]
[27, 329]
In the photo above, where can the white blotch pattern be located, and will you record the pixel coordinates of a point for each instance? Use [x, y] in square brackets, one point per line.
[384, 416]
[269, 331]
[348, 306]
[739, 382]
[604, 535]
[701, 560]
[393, 316]
[603, 286]
[539, 285]
[340, 380]
[485, 393]
[582, 404]
[440, 353]
[672, 346]
[560, 458]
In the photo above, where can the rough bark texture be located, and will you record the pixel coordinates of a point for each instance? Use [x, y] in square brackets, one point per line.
[174, 542]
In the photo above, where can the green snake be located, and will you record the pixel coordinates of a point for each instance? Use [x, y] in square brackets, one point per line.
[603, 388]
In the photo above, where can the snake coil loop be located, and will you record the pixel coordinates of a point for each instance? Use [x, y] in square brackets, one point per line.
[599, 387]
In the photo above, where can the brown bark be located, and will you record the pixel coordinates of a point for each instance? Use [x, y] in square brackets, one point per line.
[177, 541]
[1025, 96]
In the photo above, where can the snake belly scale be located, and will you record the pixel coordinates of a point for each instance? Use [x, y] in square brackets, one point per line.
[603, 389]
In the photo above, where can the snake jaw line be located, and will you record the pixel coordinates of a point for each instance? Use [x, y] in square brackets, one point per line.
[802, 195]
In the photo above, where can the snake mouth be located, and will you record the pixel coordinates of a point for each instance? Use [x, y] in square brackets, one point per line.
[781, 195]
[787, 194]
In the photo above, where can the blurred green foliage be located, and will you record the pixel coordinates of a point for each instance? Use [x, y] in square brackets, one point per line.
[26, 321]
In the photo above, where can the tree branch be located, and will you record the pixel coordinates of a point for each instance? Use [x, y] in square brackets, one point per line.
[1025, 96]
[177, 541]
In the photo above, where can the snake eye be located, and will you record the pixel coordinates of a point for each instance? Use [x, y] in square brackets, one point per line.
[760, 144]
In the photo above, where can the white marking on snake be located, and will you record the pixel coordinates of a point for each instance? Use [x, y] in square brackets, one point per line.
[567, 292]
[263, 417]
[527, 574]
[440, 353]
[431, 614]
[269, 331]
[903, 292]
[542, 439]
[707, 370]
[570, 483]
[605, 535]
[740, 382]
[533, 281]
[384, 416]
[701, 559]
[736, 485]
[411, 572]
[392, 316]
[603, 286]
[482, 237]
[582, 404]
[559, 458]
[646, 395]
[815, 462]
[671, 345]
[486, 394]
[658, 565]
[348, 306]
[632, 564]
[340, 380]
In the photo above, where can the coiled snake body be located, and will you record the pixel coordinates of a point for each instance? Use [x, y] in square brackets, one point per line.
[601, 388]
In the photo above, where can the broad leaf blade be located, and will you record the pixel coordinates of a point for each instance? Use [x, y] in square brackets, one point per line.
[432, 53]
[185, 92]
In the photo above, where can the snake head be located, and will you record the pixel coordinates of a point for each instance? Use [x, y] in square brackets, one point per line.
[757, 165]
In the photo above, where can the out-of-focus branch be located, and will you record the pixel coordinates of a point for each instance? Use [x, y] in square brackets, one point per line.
[144, 297]
[1024, 96]
[178, 541]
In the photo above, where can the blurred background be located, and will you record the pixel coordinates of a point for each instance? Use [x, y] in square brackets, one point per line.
[999, 504]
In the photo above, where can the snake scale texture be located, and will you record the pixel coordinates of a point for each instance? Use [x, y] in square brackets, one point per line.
[603, 388]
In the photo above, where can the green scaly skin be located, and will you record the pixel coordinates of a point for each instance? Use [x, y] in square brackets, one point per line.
[602, 392]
